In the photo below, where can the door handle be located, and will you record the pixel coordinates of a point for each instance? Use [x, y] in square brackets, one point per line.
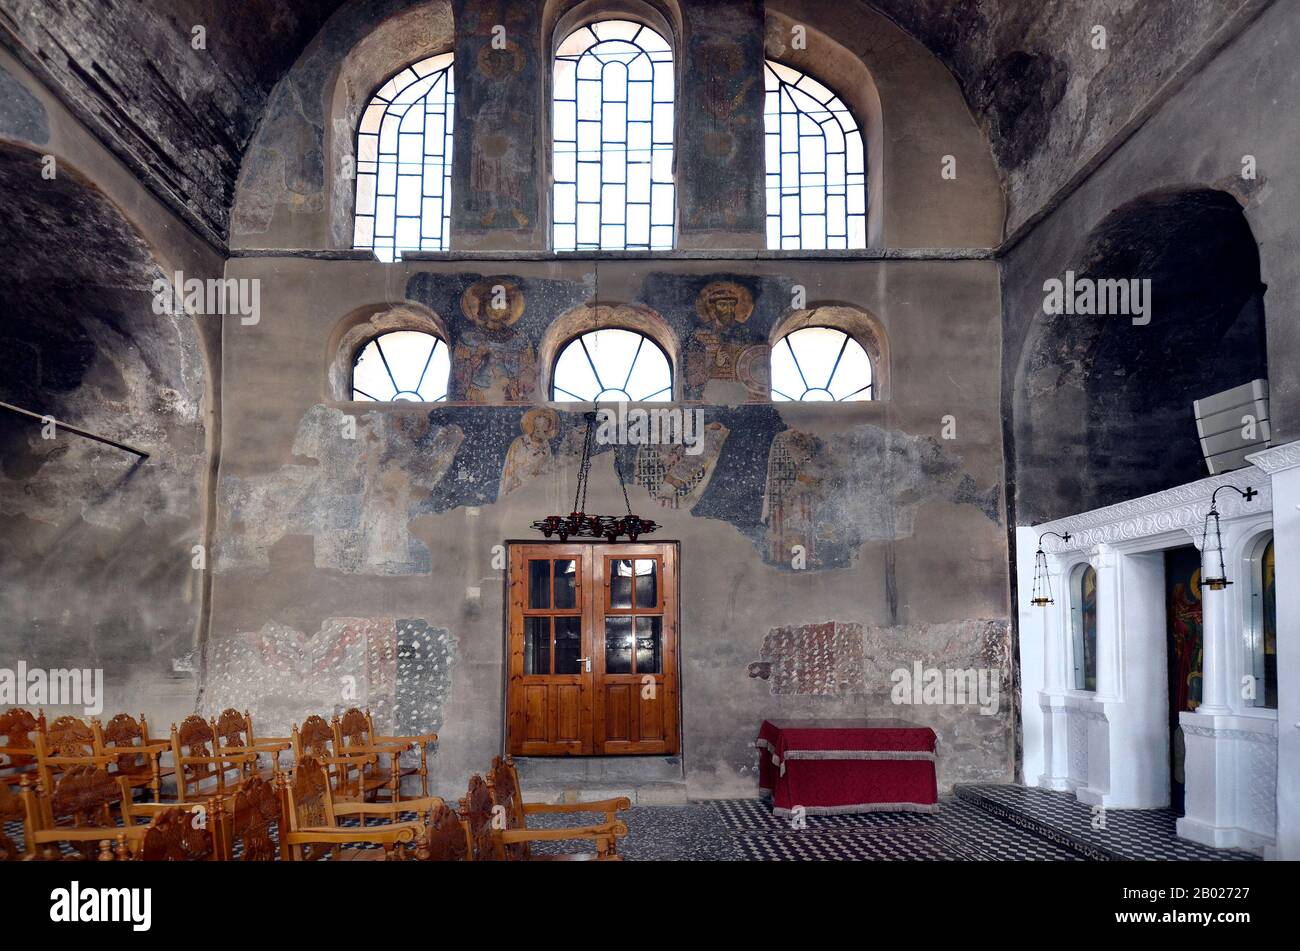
[587, 662]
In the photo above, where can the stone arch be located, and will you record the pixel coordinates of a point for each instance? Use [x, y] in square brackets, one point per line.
[363, 325]
[597, 316]
[863, 326]
[1103, 407]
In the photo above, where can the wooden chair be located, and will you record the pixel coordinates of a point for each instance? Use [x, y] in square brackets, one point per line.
[141, 764]
[76, 810]
[316, 739]
[234, 734]
[355, 732]
[310, 828]
[503, 785]
[18, 730]
[241, 823]
[201, 772]
[173, 836]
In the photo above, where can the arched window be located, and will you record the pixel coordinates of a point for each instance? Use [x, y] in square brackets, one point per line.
[402, 366]
[816, 169]
[820, 364]
[404, 162]
[1263, 624]
[1083, 626]
[612, 162]
[612, 365]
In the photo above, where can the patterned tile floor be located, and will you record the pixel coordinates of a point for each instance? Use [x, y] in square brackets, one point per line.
[1129, 834]
[970, 826]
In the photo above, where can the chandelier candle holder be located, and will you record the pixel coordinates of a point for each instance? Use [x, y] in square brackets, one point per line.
[1219, 581]
[1041, 596]
[578, 524]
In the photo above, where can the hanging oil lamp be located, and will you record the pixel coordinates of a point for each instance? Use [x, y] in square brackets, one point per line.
[1041, 594]
[1219, 581]
[578, 524]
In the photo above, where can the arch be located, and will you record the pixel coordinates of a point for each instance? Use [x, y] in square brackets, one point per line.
[403, 161]
[835, 67]
[862, 326]
[589, 317]
[355, 331]
[613, 98]
[816, 166]
[1260, 616]
[1083, 627]
[1079, 374]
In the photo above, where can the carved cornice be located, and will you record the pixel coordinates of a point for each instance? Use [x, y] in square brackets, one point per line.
[1250, 736]
[1276, 458]
[1180, 508]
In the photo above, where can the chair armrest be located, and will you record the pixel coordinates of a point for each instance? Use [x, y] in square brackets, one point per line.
[599, 805]
[104, 760]
[359, 759]
[387, 808]
[388, 750]
[616, 829]
[236, 758]
[422, 738]
[380, 834]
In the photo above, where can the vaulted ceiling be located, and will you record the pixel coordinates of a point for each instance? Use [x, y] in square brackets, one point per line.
[1049, 100]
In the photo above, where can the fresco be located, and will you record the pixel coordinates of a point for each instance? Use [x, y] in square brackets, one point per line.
[398, 667]
[818, 660]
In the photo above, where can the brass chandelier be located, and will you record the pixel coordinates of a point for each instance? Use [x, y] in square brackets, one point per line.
[1219, 581]
[1041, 595]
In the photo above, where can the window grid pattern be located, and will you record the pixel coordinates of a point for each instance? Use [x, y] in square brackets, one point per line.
[402, 366]
[403, 197]
[612, 365]
[613, 104]
[820, 364]
[816, 166]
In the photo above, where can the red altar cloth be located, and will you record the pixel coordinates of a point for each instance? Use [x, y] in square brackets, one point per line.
[843, 766]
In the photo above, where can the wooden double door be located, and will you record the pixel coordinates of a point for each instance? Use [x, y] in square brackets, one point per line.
[593, 649]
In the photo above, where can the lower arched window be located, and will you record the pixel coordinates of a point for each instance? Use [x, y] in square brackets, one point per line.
[612, 365]
[820, 364]
[402, 366]
[1083, 625]
[1262, 634]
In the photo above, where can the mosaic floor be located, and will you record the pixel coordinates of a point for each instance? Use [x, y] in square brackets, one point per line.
[979, 823]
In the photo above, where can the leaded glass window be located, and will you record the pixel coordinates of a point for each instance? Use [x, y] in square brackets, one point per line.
[402, 366]
[816, 166]
[612, 101]
[404, 162]
[820, 364]
[612, 365]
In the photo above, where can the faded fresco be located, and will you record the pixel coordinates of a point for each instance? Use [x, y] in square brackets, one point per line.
[817, 660]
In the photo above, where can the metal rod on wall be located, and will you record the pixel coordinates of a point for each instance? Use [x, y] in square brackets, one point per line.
[73, 429]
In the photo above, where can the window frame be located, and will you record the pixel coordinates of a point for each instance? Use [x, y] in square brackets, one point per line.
[1078, 653]
[1253, 614]
[373, 339]
[849, 337]
[576, 337]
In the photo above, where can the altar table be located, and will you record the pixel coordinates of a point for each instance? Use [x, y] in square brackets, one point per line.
[844, 766]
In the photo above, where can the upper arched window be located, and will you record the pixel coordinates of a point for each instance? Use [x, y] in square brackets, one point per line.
[612, 365]
[403, 200]
[816, 168]
[820, 364]
[1083, 626]
[402, 366]
[612, 163]
[1262, 634]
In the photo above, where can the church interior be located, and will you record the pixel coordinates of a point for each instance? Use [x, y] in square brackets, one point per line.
[404, 452]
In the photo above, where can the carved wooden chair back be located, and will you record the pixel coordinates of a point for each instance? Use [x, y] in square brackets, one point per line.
[476, 810]
[316, 738]
[503, 784]
[18, 730]
[201, 769]
[307, 805]
[76, 809]
[446, 837]
[142, 765]
[174, 836]
[356, 728]
[248, 822]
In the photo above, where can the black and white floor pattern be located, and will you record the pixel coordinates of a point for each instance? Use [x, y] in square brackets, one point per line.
[978, 824]
[1113, 835]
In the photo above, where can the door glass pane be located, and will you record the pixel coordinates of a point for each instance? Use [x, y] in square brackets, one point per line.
[568, 644]
[620, 584]
[649, 637]
[539, 583]
[647, 583]
[537, 645]
[566, 586]
[618, 645]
